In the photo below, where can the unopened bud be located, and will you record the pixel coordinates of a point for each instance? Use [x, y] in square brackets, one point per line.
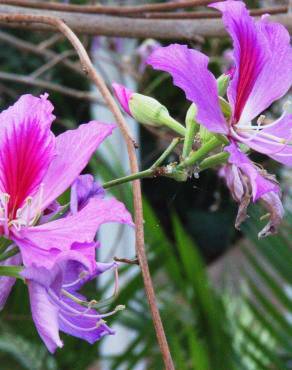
[191, 117]
[222, 84]
[147, 110]
[225, 107]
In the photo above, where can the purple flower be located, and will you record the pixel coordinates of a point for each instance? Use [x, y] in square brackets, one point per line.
[245, 182]
[35, 168]
[263, 73]
[56, 303]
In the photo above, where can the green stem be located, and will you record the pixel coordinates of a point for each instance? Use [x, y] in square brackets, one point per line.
[134, 176]
[12, 271]
[166, 153]
[192, 128]
[146, 173]
[174, 125]
[196, 156]
[214, 160]
[9, 254]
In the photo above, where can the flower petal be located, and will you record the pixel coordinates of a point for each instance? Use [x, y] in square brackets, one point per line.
[279, 151]
[263, 61]
[74, 149]
[274, 205]
[82, 190]
[62, 233]
[27, 147]
[189, 70]
[259, 184]
[45, 315]
[123, 95]
[6, 283]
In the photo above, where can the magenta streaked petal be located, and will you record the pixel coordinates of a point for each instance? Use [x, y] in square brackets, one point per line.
[189, 70]
[27, 147]
[280, 129]
[78, 228]
[44, 314]
[259, 184]
[123, 95]
[74, 149]
[263, 61]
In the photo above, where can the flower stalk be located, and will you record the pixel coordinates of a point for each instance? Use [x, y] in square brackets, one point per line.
[192, 128]
[202, 152]
[12, 271]
[150, 172]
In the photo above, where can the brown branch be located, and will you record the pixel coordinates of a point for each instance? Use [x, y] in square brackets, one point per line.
[208, 14]
[51, 63]
[110, 10]
[48, 43]
[28, 80]
[90, 71]
[95, 24]
[31, 48]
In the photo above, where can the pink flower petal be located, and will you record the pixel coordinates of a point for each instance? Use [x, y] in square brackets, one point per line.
[123, 95]
[6, 283]
[267, 141]
[27, 147]
[45, 316]
[61, 234]
[74, 149]
[263, 61]
[259, 184]
[189, 70]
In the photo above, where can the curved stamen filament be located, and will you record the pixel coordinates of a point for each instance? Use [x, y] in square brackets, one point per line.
[82, 275]
[95, 327]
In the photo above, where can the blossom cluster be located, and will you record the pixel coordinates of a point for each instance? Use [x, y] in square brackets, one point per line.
[53, 246]
[261, 74]
[56, 242]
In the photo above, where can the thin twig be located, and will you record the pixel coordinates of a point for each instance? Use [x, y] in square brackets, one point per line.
[112, 10]
[31, 48]
[90, 71]
[48, 43]
[134, 261]
[52, 63]
[47, 85]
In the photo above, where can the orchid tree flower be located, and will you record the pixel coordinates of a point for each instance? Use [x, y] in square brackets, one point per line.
[246, 182]
[56, 303]
[35, 169]
[262, 73]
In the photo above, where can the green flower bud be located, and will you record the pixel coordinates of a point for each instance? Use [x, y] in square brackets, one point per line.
[225, 107]
[222, 84]
[149, 111]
